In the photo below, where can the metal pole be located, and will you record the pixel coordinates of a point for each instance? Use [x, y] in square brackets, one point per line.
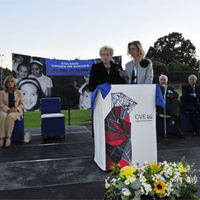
[199, 70]
[165, 119]
[69, 120]
[1, 55]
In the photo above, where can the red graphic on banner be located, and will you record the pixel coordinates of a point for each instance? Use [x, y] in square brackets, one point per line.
[118, 131]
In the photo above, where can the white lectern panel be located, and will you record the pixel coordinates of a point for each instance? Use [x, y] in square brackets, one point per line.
[142, 115]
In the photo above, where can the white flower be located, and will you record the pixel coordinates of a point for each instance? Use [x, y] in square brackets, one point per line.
[147, 188]
[142, 178]
[126, 192]
[169, 188]
[113, 181]
[188, 180]
[132, 179]
[107, 185]
[127, 182]
[142, 190]
[192, 180]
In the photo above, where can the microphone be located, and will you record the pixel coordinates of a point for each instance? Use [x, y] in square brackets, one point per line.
[123, 73]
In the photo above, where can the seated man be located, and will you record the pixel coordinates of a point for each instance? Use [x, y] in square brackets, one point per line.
[190, 102]
[172, 104]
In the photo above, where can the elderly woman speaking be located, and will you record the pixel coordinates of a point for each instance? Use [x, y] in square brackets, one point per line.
[105, 71]
[11, 108]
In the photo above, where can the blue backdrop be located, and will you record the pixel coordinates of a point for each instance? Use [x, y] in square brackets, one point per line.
[68, 67]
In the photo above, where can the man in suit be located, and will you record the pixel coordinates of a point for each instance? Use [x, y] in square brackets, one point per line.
[172, 104]
[191, 103]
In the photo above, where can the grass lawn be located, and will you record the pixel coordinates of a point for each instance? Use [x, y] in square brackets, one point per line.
[77, 118]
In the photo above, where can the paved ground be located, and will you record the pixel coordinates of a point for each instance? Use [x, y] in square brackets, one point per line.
[64, 169]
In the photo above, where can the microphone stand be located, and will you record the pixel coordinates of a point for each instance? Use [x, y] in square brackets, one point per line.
[165, 118]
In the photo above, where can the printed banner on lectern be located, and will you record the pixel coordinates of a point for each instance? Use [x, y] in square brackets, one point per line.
[124, 126]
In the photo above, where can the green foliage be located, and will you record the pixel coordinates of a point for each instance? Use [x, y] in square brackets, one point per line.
[115, 169]
[177, 66]
[166, 180]
[159, 68]
[174, 48]
[4, 73]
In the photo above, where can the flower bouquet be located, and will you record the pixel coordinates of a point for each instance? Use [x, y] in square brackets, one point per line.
[166, 180]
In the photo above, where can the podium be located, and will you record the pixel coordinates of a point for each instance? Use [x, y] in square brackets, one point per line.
[124, 125]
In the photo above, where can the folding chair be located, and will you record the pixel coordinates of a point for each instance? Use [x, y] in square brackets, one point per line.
[52, 120]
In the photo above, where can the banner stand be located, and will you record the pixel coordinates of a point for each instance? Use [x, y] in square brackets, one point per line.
[69, 119]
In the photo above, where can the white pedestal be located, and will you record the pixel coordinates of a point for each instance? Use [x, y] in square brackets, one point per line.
[142, 119]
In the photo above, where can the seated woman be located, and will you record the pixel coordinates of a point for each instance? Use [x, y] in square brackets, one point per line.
[11, 108]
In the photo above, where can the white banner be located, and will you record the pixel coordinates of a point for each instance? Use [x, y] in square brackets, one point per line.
[124, 106]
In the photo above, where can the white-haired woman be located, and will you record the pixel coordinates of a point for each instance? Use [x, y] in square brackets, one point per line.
[106, 70]
[139, 70]
[11, 105]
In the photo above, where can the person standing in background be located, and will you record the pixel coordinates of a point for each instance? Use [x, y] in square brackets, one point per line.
[140, 69]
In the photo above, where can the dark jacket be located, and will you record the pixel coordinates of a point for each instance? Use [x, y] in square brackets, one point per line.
[172, 102]
[99, 75]
[187, 90]
[171, 94]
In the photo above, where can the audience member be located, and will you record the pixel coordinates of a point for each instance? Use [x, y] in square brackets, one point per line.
[11, 108]
[191, 103]
[172, 104]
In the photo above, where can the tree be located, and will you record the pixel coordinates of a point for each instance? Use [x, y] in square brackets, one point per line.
[159, 68]
[177, 67]
[3, 73]
[174, 48]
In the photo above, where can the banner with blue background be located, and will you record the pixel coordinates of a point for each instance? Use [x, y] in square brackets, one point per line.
[68, 67]
[67, 79]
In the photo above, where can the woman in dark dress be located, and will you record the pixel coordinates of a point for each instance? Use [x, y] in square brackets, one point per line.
[106, 70]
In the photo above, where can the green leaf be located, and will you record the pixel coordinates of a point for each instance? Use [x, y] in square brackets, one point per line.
[124, 197]
[136, 185]
[120, 185]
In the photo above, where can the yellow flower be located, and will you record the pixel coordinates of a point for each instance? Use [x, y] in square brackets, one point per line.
[128, 172]
[182, 169]
[160, 187]
[154, 167]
